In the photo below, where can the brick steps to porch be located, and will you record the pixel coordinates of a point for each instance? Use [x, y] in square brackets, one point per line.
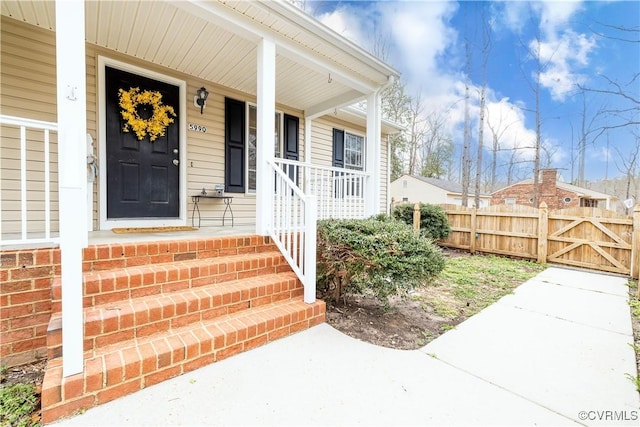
[160, 320]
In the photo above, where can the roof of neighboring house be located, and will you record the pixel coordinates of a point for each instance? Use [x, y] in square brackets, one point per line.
[450, 186]
[580, 191]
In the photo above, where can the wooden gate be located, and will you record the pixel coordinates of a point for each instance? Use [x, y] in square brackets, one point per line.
[590, 238]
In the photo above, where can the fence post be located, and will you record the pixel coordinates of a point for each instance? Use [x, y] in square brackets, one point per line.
[543, 232]
[416, 218]
[635, 245]
[472, 230]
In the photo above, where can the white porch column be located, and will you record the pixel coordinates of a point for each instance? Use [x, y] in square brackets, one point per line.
[265, 124]
[72, 173]
[372, 154]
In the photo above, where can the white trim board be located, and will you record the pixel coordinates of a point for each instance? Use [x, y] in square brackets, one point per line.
[108, 224]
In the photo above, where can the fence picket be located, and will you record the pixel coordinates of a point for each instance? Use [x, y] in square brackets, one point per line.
[584, 237]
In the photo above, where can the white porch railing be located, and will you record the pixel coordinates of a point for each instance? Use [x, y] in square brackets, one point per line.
[304, 193]
[25, 182]
[340, 193]
[293, 229]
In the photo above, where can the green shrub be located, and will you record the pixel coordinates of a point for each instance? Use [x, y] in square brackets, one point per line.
[382, 256]
[17, 403]
[433, 220]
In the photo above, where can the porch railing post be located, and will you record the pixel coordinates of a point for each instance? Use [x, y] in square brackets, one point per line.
[311, 227]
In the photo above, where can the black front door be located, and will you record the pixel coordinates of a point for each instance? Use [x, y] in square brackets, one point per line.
[143, 176]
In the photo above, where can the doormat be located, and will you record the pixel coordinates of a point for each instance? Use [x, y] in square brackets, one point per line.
[152, 229]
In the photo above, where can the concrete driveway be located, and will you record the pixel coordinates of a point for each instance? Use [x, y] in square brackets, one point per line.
[556, 353]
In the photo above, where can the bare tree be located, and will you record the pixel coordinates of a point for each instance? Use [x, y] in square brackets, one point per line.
[547, 150]
[484, 51]
[626, 94]
[533, 50]
[588, 127]
[416, 134]
[396, 107]
[466, 145]
[497, 130]
[437, 146]
[629, 167]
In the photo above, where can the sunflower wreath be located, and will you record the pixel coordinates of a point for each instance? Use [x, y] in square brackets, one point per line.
[154, 126]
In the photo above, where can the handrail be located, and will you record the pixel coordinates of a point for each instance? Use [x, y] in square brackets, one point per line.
[20, 121]
[293, 229]
[24, 236]
[306, 165]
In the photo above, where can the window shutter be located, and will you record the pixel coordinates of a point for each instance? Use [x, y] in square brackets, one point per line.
[292, 142]
[338, 148]
[234, 168]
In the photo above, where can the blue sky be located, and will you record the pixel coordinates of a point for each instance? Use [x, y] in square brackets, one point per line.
[425, 43]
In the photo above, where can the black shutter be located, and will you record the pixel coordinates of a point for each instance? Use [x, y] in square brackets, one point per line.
[291, 137]
[338, 148]
[234, 146]
[292, 143]
[338, 162]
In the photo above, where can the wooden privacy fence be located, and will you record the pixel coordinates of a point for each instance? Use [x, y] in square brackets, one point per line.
[590, 238]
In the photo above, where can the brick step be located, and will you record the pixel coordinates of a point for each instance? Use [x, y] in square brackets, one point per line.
[122, 255]
[129, 366]
[125, 320]
[103, 287]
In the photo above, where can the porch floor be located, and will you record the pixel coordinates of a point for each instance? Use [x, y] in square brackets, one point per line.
[107, 236]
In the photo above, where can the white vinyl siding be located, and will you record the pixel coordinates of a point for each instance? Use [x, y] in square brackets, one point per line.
[28, 76]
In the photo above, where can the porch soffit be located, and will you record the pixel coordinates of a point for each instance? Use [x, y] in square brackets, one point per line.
[179, 38]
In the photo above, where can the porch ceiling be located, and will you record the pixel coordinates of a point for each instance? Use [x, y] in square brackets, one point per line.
[216, 41]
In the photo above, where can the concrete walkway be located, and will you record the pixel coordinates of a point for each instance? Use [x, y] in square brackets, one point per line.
[554, 353]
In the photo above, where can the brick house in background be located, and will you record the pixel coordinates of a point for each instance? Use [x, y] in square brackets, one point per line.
[557, 195]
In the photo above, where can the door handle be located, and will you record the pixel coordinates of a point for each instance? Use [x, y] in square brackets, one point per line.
[175, 151]
[176, 162]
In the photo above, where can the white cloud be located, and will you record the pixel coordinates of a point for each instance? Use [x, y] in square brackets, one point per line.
[552, 14]
[556, 14]
[343, 22]
[507, 121]
[420, 34]
[563, 55]
[514, 15]
[563, 52]
[417, 31]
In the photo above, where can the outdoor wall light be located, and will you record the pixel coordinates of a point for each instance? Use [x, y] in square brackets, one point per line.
[200, 100]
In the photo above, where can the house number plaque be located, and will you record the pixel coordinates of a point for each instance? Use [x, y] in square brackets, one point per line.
[197, 128]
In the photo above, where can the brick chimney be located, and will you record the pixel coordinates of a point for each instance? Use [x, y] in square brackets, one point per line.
[548, 182]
